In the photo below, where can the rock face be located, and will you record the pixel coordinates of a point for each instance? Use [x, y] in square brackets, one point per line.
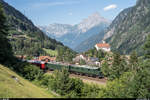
[129, 29]
[56, 30]
[92, 21]
[116, 22]
[73, 35]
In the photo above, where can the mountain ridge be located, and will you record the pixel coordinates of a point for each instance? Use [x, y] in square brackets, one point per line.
[24, 37]
[73, 35]
[90, 42]
[132, 30]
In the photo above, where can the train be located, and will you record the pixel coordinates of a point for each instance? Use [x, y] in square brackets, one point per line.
[83, 70]
[40, 64]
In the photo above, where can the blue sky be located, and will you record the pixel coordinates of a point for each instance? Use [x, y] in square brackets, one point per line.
[44, 12]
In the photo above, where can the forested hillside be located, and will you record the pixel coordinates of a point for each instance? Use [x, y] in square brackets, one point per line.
[24, 36]
[131, 29]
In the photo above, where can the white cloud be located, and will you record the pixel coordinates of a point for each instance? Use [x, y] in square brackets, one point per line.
[70, 13]
[112, 6]
[48, 4]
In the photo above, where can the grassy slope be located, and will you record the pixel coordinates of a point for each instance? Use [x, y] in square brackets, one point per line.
[51, 52]
[9, 88]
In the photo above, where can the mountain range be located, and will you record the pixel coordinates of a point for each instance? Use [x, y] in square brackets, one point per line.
[103, 35]
[73, 35]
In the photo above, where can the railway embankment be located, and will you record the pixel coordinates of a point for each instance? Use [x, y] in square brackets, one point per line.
[86, 79]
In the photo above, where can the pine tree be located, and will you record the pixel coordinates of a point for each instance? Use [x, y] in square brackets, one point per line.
[115, 66]
[147, 48]
[105, 69]
[61, 81]
[5, 47]
[133, 61]
[118, 66]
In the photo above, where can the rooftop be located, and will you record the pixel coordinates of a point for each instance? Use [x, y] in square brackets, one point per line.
[103, 45]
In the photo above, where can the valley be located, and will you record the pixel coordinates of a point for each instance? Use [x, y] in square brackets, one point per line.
[94, 58]
[73, 35]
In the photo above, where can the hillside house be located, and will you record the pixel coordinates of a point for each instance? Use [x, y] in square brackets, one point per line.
[90, 63]
[98, 63]
[103, 46]
[47, 58]
[79, 56]
[93, 59]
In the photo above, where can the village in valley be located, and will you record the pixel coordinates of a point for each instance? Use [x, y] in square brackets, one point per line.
[92, 61]
[79, 60]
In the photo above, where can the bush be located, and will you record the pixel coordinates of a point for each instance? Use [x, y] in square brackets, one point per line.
[62, 84]
[32, 72]
[90, 91]
[116, 68]
[45, 80]
[61, 81]
[76, 86]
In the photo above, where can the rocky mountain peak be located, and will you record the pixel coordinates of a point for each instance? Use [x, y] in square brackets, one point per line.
[93, 20]
[72, 35]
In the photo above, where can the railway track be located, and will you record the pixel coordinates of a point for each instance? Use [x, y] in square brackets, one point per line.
[87, 79]
[90, 80]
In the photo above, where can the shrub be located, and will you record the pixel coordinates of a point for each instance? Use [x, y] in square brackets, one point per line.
[32, 72]
[90, 91]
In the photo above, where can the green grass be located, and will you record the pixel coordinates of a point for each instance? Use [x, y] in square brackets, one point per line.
[51, 52]
[9, 88]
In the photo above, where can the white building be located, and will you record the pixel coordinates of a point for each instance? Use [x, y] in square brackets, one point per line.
[79, 57]
[82, 57]
[103, 46]
[97, 63]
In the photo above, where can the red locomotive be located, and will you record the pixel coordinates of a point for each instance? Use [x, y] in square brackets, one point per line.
[41, 64]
